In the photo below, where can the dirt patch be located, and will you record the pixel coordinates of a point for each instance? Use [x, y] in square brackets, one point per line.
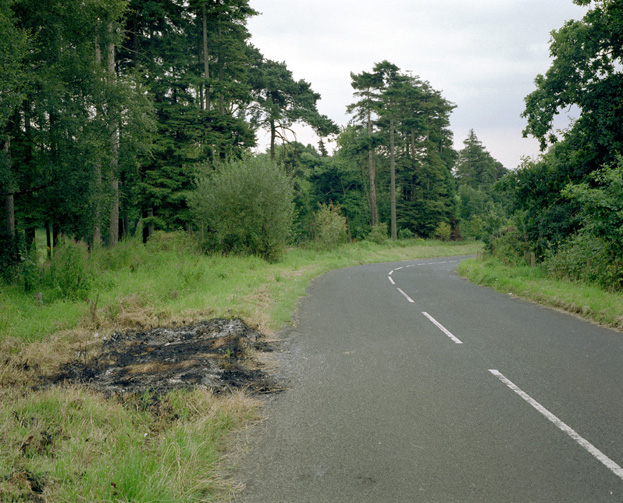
[218, 354]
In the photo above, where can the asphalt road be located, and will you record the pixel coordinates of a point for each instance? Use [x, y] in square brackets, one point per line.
[485, 398]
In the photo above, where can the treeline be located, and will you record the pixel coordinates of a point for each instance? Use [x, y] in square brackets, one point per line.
[568, 204]
[108, 107]
[113, 111]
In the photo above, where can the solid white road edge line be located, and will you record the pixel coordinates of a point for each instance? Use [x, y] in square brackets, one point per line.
[443, 329]
[406, 296]
[605, 460]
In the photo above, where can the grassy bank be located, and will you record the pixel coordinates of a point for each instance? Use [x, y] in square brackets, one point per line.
[532, 283]
[71, 444]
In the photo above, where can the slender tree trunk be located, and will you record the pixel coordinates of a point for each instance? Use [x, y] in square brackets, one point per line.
[148, 229]
[221, 99]
[374, 211]
[55, 236]
[9, 200]
[48, 239]
[114, 152]
[114, 214]
[392, 170]
[273, 134]
[206, 60]
[97, 173]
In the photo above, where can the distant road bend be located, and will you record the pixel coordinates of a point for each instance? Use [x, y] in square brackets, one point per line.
[409, 384]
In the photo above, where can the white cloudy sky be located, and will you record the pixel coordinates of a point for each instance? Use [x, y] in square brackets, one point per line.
[483, 55]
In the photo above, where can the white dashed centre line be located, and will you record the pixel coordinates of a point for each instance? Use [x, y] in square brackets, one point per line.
[406, 296]
[443, 329]
[391, 280]
[611, 465]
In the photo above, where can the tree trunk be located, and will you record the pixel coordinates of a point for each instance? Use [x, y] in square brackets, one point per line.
[374, 211]
[206, 61]
[114, 151]
[48, 239]
[392, 170]
[55, 236]
[221, 103]
[148, 229]
[114, 214]
[273, 134]
[97, 174]
[9, 200]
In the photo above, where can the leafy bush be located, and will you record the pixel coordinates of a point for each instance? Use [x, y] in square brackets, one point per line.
[329, 226]
[378, 234]
[587, 258]
[602, 206]
[70, 273]
[511, 246]
[245, 206]
[443, 231]
[405, 234]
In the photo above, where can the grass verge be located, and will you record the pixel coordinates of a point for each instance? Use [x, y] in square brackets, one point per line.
[532, 283]
[73, 444]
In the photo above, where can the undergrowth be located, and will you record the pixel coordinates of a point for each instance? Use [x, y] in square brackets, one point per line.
[72, 444]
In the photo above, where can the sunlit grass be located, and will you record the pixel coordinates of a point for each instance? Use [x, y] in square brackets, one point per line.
[137, 286]
[70, 445]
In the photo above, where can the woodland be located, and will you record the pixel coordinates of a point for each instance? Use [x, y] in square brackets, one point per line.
[112, 110]
[122, 118]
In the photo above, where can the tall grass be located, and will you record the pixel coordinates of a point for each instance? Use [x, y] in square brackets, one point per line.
[170, 280]
[72, 444]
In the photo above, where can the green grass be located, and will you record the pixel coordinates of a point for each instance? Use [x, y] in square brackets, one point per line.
[532, 283]
[135, 285]
[72, 445]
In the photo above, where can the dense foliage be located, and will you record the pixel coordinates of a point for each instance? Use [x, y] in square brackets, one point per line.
[114, 114]
[245, 206]
[567, 203]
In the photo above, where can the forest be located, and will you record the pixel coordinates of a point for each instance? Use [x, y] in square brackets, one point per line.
[122, 118]
[113, 113]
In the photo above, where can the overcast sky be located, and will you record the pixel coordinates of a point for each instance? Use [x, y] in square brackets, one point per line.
[483, 55]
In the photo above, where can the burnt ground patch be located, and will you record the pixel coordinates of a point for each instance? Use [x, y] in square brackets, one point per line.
[218, 354]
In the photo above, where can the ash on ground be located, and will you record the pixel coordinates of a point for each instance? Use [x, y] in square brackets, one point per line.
[218, 354]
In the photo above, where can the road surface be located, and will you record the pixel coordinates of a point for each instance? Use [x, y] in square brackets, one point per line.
[409, 384]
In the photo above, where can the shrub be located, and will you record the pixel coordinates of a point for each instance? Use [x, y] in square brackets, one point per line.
[70, 272]
[585, 257]
[405, 234]
[329, 226]
[378, 234]
[511, 246]
[443, 231]
[245, 206]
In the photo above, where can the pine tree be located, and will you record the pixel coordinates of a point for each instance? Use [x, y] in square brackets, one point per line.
[279, 101]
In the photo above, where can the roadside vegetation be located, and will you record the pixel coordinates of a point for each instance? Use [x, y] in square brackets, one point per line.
[560, 239]
[587, 300]
[72, 444]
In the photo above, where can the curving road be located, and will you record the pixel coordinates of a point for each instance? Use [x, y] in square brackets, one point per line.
[409, 384]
